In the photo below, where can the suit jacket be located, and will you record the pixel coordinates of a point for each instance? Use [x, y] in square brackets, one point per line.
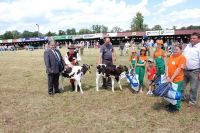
[51, 62]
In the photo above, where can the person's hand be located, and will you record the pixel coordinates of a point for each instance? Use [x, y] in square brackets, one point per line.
[169, 79]
[98, 62]
[134, 72]
[50, 71]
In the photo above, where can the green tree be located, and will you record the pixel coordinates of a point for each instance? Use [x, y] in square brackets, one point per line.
[36, 34]
[146, 27]
[116, 29]
[96, 28]
[157, 27]
[16, 34]
[137, 22]
[183, 28]
[27, 34]
[104, 28]
[8, 35]
[61, 32]
[71, 31]
[49, 33]
[193, 27]
[84, 31]
[99, 28]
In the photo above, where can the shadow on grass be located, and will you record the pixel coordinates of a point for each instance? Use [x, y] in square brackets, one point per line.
[85, 87]
[159, 106]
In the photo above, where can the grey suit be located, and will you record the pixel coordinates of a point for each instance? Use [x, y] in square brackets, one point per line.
[54, 66]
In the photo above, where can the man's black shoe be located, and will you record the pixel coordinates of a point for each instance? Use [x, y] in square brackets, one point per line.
[58, 91]
[51, 94]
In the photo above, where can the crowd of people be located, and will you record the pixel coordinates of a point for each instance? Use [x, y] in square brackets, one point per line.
[8, 48]
[181, 68]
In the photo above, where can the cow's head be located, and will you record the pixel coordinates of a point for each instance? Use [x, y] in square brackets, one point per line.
[121, 69]
[101, 68]
[85, 68]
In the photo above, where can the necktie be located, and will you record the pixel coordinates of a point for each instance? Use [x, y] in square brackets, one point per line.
[56, 55]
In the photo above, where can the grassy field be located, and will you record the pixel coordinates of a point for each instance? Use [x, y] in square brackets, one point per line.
[26, 107]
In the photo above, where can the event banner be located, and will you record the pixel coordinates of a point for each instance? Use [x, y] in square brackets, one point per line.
[34, 39]
[153, 33]
[167, 32]
[90, 36]
[60, 37]
[160, 32]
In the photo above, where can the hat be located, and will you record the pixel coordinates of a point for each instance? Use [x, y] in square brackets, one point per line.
[159, 42]
[143, 48]
[133, 51]
[150, 60]
[71, 47]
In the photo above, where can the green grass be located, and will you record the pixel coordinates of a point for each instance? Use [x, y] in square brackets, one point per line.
[26, 107]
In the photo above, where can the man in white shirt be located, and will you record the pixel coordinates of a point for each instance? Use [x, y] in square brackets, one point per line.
[127, 45]
[192, 70]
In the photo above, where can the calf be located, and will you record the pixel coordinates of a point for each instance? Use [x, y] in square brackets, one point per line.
[76, 73]
[112, 71]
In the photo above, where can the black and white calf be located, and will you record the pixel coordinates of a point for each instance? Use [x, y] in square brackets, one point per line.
[112, 71]
[76, 73]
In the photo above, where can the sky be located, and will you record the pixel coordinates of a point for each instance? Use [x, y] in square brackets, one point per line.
[54, 15]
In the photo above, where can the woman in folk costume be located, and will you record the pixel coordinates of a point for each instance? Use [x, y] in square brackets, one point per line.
[71, 59]
[159, 57]
[175, 73]
[140, 66]
[133, 60]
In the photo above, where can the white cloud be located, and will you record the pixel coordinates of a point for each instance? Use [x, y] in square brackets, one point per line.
[168, 3]
[180, 18]
[185, 14]
[63, 14]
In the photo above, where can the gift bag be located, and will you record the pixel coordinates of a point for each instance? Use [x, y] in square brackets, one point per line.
[173, 95]
[133, 81]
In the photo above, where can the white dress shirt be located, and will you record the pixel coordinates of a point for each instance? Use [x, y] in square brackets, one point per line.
[192, 55]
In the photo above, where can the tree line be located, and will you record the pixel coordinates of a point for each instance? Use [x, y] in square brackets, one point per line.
[137, 24]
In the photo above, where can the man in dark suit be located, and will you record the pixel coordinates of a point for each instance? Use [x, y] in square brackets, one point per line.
[54, 65]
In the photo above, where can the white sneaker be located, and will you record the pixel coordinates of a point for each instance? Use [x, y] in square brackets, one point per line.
[148, 92]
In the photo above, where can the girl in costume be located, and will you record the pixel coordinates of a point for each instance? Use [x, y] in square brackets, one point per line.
[159, 57]
[140, 67]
